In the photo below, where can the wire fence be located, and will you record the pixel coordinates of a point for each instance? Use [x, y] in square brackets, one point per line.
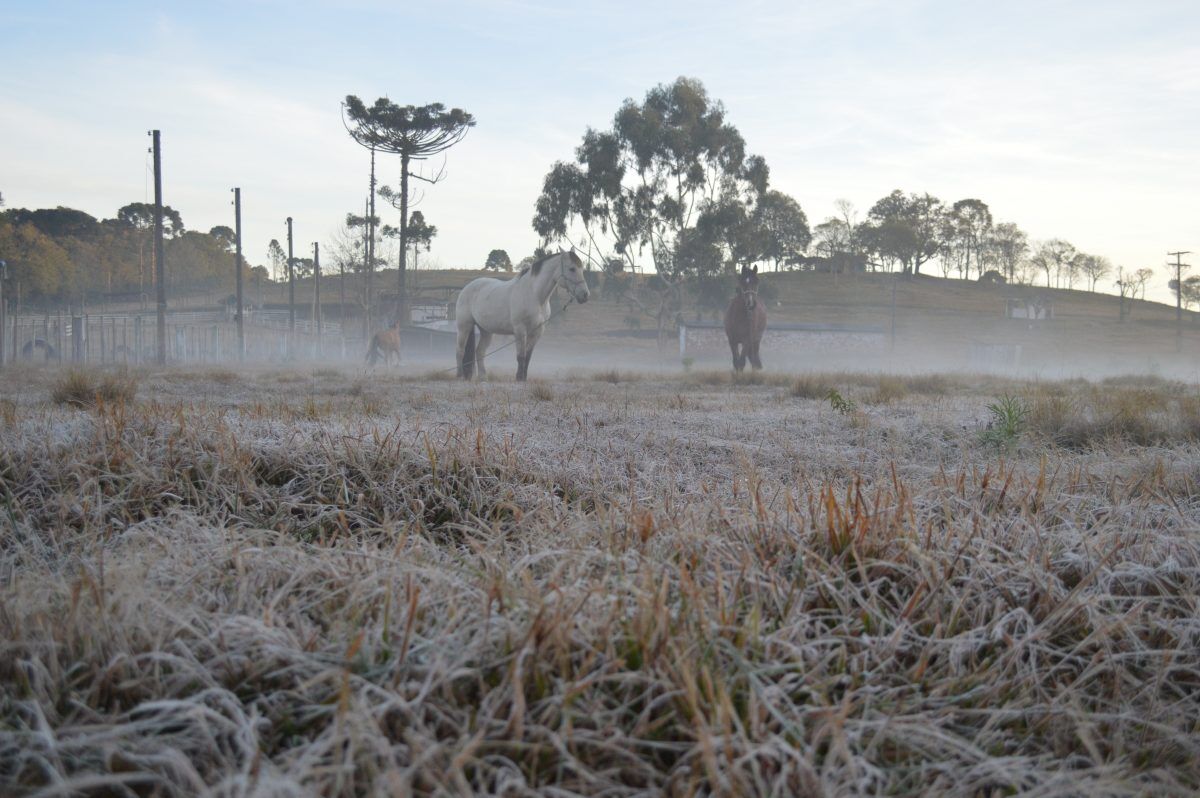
[191, 337]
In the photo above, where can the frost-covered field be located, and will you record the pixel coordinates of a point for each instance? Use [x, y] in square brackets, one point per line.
[277, 583]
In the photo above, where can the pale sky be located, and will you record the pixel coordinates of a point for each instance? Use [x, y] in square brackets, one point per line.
[1076, 120]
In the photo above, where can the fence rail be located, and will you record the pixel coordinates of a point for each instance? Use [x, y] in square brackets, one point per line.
[191, 337]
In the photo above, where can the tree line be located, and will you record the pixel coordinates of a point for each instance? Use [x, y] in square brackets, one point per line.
[60, 255]
[671, 188]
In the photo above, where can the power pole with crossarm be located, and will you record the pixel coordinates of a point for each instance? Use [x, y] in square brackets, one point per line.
[1179, 267]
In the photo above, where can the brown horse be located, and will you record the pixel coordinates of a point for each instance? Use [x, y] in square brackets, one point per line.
[384, 344]
[745, 320]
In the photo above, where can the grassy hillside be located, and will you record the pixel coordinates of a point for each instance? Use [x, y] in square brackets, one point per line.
[937, 320]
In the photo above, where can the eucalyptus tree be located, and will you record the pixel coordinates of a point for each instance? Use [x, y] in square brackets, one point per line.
[832, 238]
[968, 223]
[1188, 290]
[1054, 257]
[780, 227]
[415, 133]
[908, 229]
[669, 186]
[1006, 247]
[634, 189]
[278, 258]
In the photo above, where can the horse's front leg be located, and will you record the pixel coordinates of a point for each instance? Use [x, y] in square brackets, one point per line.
[525, 345]
[530, 343]
[522, 358]
[739, 355]
[755, 360]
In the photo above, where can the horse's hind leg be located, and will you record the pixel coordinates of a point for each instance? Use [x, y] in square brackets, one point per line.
[466, 349]
[528, 357]
[485, 340]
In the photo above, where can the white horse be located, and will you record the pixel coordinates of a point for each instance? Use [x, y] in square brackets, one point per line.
[517, 307]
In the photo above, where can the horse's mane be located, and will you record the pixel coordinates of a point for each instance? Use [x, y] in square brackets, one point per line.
[536, 266]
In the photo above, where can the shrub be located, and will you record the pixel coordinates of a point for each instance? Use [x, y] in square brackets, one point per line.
[8, 412]
[541, 391]
[841, 404]
[810, 386]
[928, 384]
[1010, 417]
[1050, 414]
[889, 389]
[610, 375]
[80, 388]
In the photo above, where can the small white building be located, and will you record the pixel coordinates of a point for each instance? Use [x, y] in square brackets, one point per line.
[1029, 308]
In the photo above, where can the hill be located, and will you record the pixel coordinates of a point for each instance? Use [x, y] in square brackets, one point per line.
[939, 323]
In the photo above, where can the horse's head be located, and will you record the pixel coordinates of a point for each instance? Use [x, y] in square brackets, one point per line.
[748, 287]
[570, 276]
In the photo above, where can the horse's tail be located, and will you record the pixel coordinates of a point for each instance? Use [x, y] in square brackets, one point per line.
[466, 368]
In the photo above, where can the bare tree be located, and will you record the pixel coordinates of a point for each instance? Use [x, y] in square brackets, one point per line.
[1141, 278]
[1007, 246]
[1093, 267]
[1126, 285]
[1053, 257]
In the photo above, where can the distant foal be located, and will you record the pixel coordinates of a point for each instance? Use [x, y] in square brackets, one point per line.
[384, 344]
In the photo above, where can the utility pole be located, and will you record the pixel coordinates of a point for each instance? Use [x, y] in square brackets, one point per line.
[366, 320]
[402, 303]
[160, 266]
[317, 292]
[1179, 267]
[3, 308]
[237, 266]
[370, 264]
[291, 292]
[893, 336]
[342, 299]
